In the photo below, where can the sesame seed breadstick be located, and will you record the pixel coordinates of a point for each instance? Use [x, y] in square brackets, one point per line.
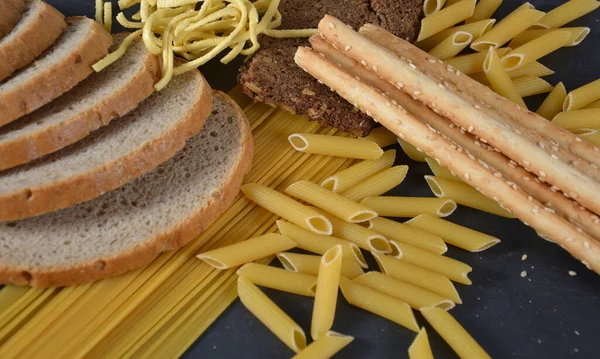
[514, 174]
[398, 120]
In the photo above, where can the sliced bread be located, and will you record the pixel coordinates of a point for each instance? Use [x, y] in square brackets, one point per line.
[111, 156]
[67, 62]
[127, 228]
[39, 27]
[94, 102]
[11, 12]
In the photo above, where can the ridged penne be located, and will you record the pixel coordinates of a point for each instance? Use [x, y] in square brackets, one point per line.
[279, 279]
[287, 208]
[533, 69]
[443, 19]
[531, 85]
[396, 231]
[381, 136]
[578, 34]
[454, 234]
[325, 347]
[582, 96]
[472, 63]
[452, 45]
[420, 348]
[353, 175]
[432, 6]
[395, 206]
[534, 49]
[328, 281]
[247, 251]
[499, 79]
[453, 333]
[331, 202]
[586, 118]
[361, 236]
[411, 151]
[566, 13]
[377, 184]
[466, 195]
[288, 331]
[309, 264]
[335, 146]
[516, 22]
[553, 103]
[416, 297]
[476, 29]
[378, 303]
[484, 10]
[440, 171]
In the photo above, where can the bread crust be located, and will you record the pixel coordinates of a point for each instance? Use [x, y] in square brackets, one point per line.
[47, 140]
[11, 12]
[25, 46]
[175, 237]
[58, 79]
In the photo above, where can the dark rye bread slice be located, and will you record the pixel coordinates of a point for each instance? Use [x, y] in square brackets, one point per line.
[271, 76]
[112, 155]
[11, 12]
[127, 228]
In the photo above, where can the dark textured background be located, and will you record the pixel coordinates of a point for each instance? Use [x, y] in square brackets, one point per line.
[547, 314]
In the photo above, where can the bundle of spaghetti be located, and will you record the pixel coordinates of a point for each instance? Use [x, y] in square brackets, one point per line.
[477, 110]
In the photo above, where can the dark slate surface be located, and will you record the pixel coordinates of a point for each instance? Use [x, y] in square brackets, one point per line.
[547, 314]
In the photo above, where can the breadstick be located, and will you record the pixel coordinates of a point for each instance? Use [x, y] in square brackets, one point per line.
[514, 174]
[398, 120]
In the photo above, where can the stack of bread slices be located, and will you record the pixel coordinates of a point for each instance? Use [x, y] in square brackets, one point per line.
[99, 174]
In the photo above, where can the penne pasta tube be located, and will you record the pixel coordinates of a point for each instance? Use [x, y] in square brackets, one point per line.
[396, 231]
[331, 202]
[499, 79]
[394, 206]
[271, 315]
[279, 279]
[476, 29]
[592, 136]
[567, 12]
[421, 277]
[484, 10]
[450, 2]
[533, 69]
[328, 281]
[335, 146]
[454, 234]
[319, 243]
[378, 184]
[445, 18]
[466, 195]
[363, 237]
[378, 303]
[593, 105]
[420, 349]
[411, 151]
[578, 34]
[354, 175]
[454, 334]
[416, 297]
[535, 49]
[472, 63]
[395, 252]
[325, 347]
[287, 208]
[586, 118]
[440, 171]
[247, 251]
[582, 96]
[516, 22]
[309, 264]
[432, 6]
[452, 45]
[381, 136]
[531, 85]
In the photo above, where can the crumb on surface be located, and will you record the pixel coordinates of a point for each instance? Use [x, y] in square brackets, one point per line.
[524, 274]
[523, 257]
[572, 273]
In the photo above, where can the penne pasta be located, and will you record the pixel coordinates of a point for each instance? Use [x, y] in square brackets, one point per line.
[287, 208]
[394, 206]
[421, 277]
[552, 104]
[590, 135]
[318, 243]
[533, 69]
[499, 79]
[353, 175]
[331, 202]
[484, 10]
[335, 146]
[578, 34]
[531, 85]
[378, 303]
[411, 151]
[395, 252]
[454, 234]
[452, 45]
[567, 12]
[361, 236]
[271, 315]
[420, 349]
[328, 281]
[309, 264]
[378, 184]
[450, 2]
[453, 333]
[440, 171]
[445, 18]
[451, 268]
[432, 6]
[396, 231]
[472, 63]
[535, 49]
[381, 136]
[587, 118]
[325, 347]
[247, 251]
[476, 29]
[279, 279]
[593, 105]
[466, 195]
[416, 297]
[582, 96]
[513, 24]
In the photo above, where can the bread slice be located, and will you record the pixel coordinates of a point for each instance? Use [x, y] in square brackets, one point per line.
[68, 61]
[11, 12]
[112, 155]
[93, 103]
[39, 26]
[127, 228]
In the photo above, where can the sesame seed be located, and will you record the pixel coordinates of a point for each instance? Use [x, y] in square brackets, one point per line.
[401, 135]
[451, 125]
[514, 186]
[517, 131]
[412, 65]
[368, 113]
[543, 174]
[399, 85]
[511, 165]
[486, 165]
[374, 68]
[449, 68]
[331, 25]
[554, 156]
[417, 93]
[573, 195]
[594, 166]
[554, 189]
[527, 163]
[524, 274]
[457, 73]
[596, 149]
[477, 143]
[518, 107]
[529, 198]
[498, 174]
[388, 104]
[356, 77]
[432, 61]
[470, 129]
[467, 176]
[525, 178]
[549, 210]
[541, 144]
[581, 207]
[348, 47]
[495, 198]
[554, 148]
[420, 150]
[433, 104]
[535, 210]
[579, 230]
[477, 107]
[453, 147]
[363, 62]
[395, 102]
[578, 139]
[572, 273]
[587, 245]
[523, 257]
[441, 86]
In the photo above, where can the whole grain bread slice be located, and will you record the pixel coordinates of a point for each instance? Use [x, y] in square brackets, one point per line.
[11, 12]
[39, 27]
[111, 156]
[91, 104]
[127, 228]
[67, 62]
